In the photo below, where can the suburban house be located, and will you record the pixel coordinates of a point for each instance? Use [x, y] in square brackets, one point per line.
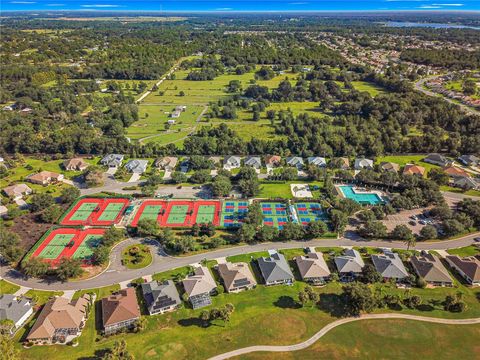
[16, 309]
[17, 191]
[44, 177]
[137, 166]
[178, 111]
[199, 287]
[390, 266]
[275, 269]
[468, 267]
[295, 161]
[317, 161]
[232, 162]
[254, 161]
[362, 163]
[431, 269]
[437, 159]
[3, 210]
[313, 268]
[389, 167]
[60, 320]
[161, 297]
[236, 277]
[166, 163]
[344, 163]
[112, 160]
[120, 311]
[466, 183]
[456, 172]
[469, 160]
[273, 160]
[349, 265]
[412, 169]
[75, 164]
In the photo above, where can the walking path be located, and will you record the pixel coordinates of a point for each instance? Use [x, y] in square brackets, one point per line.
[333, 325]
[116, 273]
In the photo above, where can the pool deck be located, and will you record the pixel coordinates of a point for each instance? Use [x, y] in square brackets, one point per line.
[358, 190]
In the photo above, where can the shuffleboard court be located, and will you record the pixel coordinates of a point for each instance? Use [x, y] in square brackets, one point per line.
[95, 212]
[275, 214]
[309, 211]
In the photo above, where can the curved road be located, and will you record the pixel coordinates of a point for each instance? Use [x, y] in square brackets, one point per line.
[116, 273]
[327, 328]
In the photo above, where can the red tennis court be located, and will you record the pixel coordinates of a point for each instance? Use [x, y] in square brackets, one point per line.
[95, 212]
[150, 209]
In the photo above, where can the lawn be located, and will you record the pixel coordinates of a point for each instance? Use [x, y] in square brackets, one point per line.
[402, 160]
[465, 251]
[371, 88]
[41, 297]
[100, 292]
[8, 288]
[282, 190]
[373, 339]
[136, 256]
[460, 191]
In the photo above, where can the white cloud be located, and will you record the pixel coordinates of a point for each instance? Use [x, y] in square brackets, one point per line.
[55, 4]
[448, 4]
[23, 2]
[429, 7]
[100, 6]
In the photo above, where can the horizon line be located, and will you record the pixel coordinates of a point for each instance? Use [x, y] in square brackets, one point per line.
[243, 11]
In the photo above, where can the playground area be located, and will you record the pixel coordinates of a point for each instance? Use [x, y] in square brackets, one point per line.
[69, 243]
[95, 212]
[275, 214]
[233, 213]
[307, 212]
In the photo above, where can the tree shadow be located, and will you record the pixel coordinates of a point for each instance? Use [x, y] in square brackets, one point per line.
[193, 321]
[333, 304]
[99, 354]
[286, 302]
[425, 307]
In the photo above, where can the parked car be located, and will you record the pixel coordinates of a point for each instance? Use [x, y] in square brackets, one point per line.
[477, 239]
[413, 223]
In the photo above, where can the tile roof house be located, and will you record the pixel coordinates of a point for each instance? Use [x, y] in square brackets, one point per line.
[349, 265]
[254, 161]
[232, 162]
[137, 166]
[344, 163]
[456, 172]
[389, 265]
[16, 309]
[44, 177]
[17, 191]
[236, 277]
[166, 163]
[389, 167]
[362, 163]
[469, 160]
[112, 160]
[437, 159]
[317, 161]
[412, 169]
[313, 268]
[431, 269]
[273, 160]
[75, 164]
[60, 320]
[161, 297]
[295, 161]
[199, 287]
[466, 183]
[468, 267]
[275, 269]
[120, 311]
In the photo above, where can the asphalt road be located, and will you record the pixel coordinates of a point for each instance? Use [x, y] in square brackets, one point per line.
[115, 273]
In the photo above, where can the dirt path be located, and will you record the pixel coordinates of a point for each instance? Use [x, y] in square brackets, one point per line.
[333, 325]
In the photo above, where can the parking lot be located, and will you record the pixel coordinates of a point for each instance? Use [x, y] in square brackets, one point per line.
[404, 218]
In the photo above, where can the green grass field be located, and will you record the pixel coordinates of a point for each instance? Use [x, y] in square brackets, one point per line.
[129, 261]
[465, 251]
[41, 297]
[371, 88]
[402, 160]
[8, 288]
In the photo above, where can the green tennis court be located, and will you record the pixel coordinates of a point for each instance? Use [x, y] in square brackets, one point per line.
[85, 250]
[178, 214]
[111, 212]
[84, 211]
[56, 245]
[205, 214]
[151, 212]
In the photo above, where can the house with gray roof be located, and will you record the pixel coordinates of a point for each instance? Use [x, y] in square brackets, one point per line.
[317, 161]
[466, 183]
[275, 269]
[254, 161]
[362, 163]
[232, 162]
[161, 297]
[199, 287]
[16, 309]
[137, 166]
[112, 160]
[349, 265]
[437, 159]
[468, 267]
[390, 266]
[313, 268]
[469, 160]
[431, 269]
[295, 161]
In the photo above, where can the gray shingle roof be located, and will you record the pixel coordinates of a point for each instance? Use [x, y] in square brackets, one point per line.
[389, 265]
[13, 308]
[159, 295]
[275, 268]
[349, 262]
[430, 268]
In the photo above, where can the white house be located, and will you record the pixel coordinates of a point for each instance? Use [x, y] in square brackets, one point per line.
[362, 163]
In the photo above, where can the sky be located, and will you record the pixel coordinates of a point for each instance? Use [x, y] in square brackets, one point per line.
[236, 6]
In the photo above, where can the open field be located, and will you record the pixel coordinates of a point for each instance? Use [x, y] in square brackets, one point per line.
[371, 88]
[465, 251]
[402, 160]
[8, 288]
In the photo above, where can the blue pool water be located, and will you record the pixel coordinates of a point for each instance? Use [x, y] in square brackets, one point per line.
[364, 199]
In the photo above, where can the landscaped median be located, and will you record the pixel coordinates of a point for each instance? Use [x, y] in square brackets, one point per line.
[136, 256]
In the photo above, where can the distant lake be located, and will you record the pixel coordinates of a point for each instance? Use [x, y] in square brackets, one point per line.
[429, 25]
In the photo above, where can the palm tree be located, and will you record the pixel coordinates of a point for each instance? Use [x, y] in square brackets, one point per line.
[410, 241]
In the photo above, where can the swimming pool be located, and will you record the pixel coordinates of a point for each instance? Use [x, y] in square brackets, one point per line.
[362, 198]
